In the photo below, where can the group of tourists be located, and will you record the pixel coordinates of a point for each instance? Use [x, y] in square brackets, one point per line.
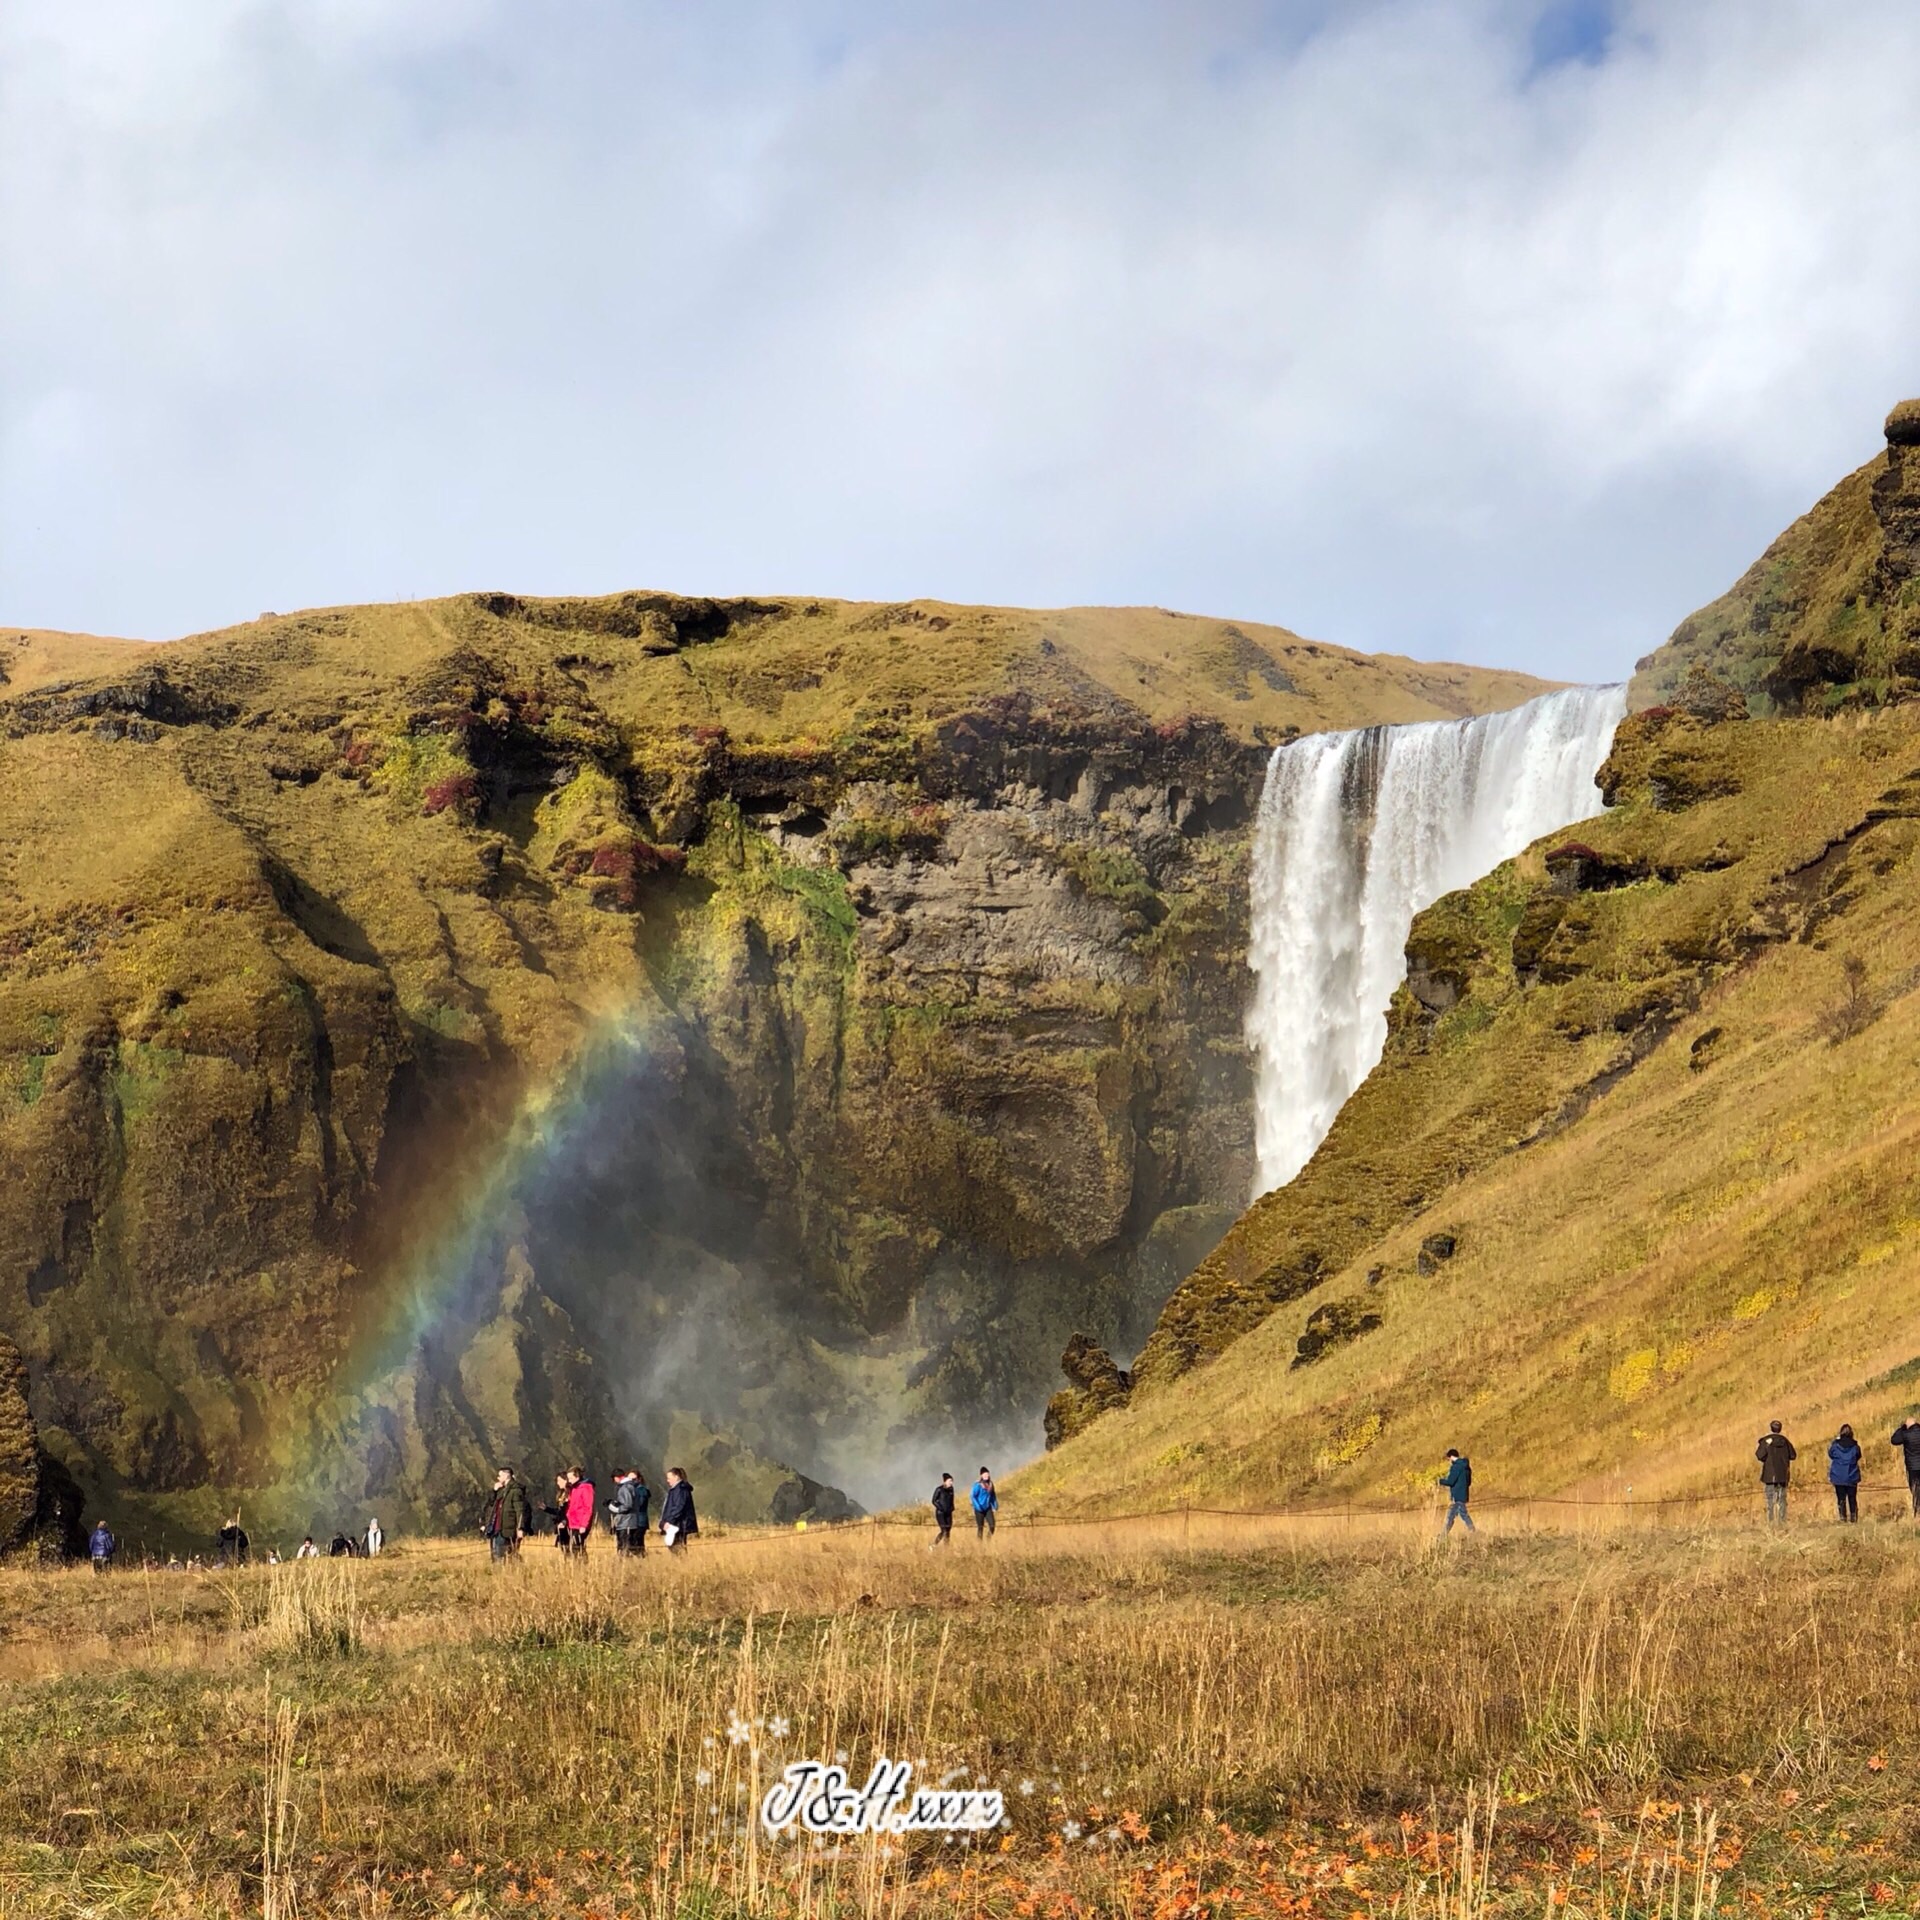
[1776, 1454]
[233, 1547]
[507, 1513]
[986, 1506]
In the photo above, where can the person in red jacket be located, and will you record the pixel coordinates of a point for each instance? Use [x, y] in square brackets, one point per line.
[579, 1509]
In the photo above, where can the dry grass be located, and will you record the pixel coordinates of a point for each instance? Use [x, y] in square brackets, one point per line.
[1309, 1720]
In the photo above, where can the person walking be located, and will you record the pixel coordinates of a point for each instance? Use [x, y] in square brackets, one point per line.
[1458, 1481]
[1776, 1454]
[233, 1544]
[943, 1511]
[627, 1511]
[507, 1517]
[339, 1548]
[678, 1521]
[986, 1505]
[307, 1550]
[1906, 1436]
[580, 1506]
[100, 1546]
[1843, 1471]
[372, 1540]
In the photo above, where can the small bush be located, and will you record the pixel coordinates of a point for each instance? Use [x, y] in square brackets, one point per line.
[460, 791]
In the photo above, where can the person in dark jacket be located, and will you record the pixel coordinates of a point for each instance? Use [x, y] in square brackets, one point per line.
[1906, 1436]
[1843, 1470]
[100, 1546]
[627, 1511]
[1776, 1454]
[556, 1511]
[339, 1548]
[507, 1517]
[1458, 1481]
[986, 1505]
[233, 1544]
[943, 1511]
[678, 1521]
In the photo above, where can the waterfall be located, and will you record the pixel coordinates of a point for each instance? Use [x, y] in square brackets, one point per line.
[1356, 833]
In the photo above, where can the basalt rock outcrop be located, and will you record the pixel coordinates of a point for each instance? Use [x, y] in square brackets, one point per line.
[564, 1028]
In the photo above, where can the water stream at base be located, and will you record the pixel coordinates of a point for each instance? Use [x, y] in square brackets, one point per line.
[1356, 833]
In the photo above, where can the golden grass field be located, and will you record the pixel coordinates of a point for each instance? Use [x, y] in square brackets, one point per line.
[1574, 1712]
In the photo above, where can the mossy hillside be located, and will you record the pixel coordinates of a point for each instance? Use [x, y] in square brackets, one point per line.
[1829, 615]
[296, 919]
[1677, 1171]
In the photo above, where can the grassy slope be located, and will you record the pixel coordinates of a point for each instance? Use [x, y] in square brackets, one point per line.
[1728, 1232]
[1829, 615]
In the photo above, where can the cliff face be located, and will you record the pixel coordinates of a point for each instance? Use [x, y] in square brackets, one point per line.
[760, 1029]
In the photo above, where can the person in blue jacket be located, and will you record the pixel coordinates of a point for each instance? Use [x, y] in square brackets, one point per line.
[678, 1521]
[1458, 1481]
[100, 1546]
[1843, 1469]
[986, 1503]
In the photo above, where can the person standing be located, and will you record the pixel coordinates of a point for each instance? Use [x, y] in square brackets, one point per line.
[1458, 1481]
[986, 1505]
[627, 1511]
[1843, 1470]
[100, 1546]
[307, 1550]
[943, 1511]
[233, 1543]
[1906, 1436]
[557, 1511]
[678, 1521]
[580, 1505]
[373, 1539]
[1776, 1454]
[507, 1518]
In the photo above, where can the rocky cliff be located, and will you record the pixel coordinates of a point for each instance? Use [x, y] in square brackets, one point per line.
[761, 1030]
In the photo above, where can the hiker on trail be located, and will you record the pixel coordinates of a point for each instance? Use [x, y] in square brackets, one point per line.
[1458, 1481]
[678, 1521]
[507, 1517]
[1906, 1436]
[1843, 1470]
[627, 1511]
[339, 1548]
[943, 1511]
[986, 1504]
[580, 1504]
[233, 1543]
[1776, 1454]
[100, 1546]
[372, 1540]
[307, 1550]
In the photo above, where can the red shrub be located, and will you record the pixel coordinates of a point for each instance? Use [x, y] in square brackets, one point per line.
[460, 791]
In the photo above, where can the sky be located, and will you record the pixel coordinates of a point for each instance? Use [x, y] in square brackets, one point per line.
[1478, 329]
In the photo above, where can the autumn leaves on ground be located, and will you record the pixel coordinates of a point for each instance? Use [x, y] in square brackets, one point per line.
[1203, 1716]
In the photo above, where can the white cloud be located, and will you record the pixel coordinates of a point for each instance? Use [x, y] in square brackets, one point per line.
[1337, 316]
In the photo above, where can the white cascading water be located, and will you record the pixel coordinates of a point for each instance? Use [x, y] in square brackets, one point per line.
[1356, 833]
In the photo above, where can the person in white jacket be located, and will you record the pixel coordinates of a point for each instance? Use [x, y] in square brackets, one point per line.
[374, 1539]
